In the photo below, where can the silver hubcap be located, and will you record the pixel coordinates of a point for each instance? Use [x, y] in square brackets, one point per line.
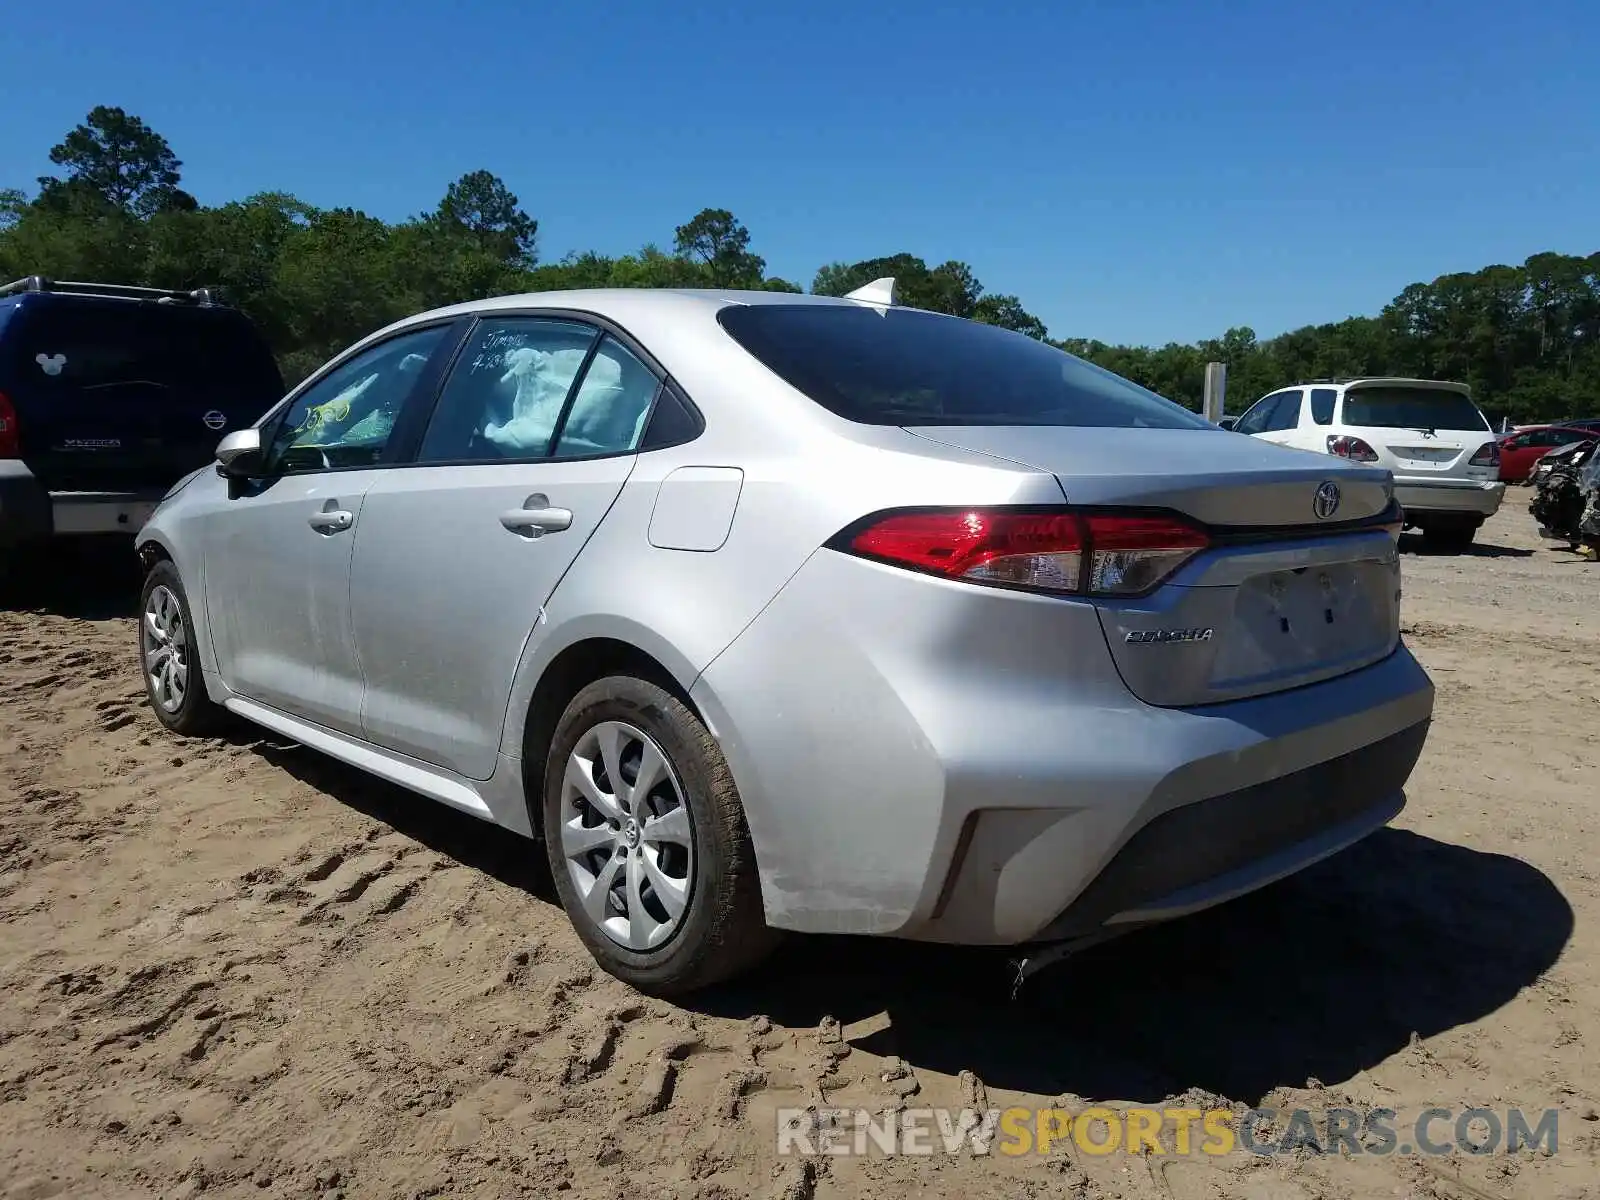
[166, 649]
[626, 837]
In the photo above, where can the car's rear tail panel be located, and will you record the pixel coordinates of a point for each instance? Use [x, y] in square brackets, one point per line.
[1299, 581]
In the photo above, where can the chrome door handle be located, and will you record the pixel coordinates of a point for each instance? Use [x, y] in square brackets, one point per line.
[537, 517]
[331, 520]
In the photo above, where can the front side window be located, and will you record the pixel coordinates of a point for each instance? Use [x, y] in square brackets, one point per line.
[345, 419]
[907, 367]
[507, 391]
[1255, 420]
[1287, 413]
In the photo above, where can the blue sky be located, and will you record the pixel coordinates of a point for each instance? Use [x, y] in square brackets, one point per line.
[1135, 170]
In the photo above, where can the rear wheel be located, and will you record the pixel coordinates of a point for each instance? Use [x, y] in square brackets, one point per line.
[647, 841]
[172, 677]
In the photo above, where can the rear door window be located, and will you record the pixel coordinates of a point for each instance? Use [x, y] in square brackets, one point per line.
[608, 413]
[906, 367]
[507, 392]
[1322, 401]
[1399, 407]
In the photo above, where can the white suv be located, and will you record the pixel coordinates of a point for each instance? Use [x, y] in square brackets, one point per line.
[1444, 457]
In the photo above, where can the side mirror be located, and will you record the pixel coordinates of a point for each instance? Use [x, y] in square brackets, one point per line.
[1227, 422]
[240, 454]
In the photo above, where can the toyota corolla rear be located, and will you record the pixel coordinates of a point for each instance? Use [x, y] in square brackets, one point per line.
[1162, 669]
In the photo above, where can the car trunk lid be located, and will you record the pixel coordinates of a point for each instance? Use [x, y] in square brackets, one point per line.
[1300, 582]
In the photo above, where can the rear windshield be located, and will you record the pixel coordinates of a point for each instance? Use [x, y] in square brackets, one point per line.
[1411, 408]
[906, 367]
[112, 343]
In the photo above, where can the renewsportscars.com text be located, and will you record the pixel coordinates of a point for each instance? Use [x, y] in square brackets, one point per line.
[1178, 1131]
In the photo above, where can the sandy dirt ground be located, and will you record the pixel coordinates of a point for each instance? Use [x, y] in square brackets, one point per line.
[234, 968]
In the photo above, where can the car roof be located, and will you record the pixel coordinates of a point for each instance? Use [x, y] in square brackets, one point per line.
[99, 300]
[616, 301]
[640, 310]
[1442, 385]
[1381, 381]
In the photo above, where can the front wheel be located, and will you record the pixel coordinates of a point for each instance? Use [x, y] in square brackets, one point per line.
[170, 661]
[648, 843]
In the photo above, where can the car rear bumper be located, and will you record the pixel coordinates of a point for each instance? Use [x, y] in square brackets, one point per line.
[31, 513]
[956, 764]
[24, 505]
[1469, 497]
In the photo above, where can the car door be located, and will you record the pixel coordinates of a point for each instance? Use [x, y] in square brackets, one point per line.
[277, 554]
[1518, 452]
[1316, 419]
[532, 438]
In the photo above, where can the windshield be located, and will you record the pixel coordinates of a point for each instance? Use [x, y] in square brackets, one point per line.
[1411, 408]
[906, 367]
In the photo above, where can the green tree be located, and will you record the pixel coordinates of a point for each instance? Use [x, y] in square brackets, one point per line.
[13, 203]
[1008, 313]
[718, 241]
[482, 207]
[1525, 337]
[120, 159]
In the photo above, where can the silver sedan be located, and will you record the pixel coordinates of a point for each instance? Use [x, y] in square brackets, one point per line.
[771, 613]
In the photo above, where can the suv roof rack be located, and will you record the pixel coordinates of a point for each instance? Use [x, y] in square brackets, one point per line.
[39, 283]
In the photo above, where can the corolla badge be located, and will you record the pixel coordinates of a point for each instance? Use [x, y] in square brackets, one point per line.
[1164, 636]
[214, 419]
[1326, 502]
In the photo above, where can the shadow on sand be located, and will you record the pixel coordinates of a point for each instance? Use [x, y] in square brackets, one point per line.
[1321, 975]
[89, 578]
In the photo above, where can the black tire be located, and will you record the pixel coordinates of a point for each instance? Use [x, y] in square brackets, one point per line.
[197, 715]
[722, 931]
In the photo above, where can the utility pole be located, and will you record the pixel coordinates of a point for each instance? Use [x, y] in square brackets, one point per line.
[1216, 388]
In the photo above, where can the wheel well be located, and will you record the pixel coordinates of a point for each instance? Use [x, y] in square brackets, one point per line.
[151, 553]
[579, 665]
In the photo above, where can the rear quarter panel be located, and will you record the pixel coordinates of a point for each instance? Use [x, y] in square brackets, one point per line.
[684, 607]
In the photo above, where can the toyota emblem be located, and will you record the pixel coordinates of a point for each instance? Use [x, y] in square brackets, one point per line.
[216, 420]
[1326, 502]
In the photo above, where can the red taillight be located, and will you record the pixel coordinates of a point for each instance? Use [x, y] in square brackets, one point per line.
[1352, 448]
[1488, 455]
[10, 435]
[1098, 554]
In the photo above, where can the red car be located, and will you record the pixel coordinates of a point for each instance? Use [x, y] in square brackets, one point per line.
[1520, 450]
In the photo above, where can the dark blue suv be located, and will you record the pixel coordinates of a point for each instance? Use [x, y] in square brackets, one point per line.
[109, 395]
